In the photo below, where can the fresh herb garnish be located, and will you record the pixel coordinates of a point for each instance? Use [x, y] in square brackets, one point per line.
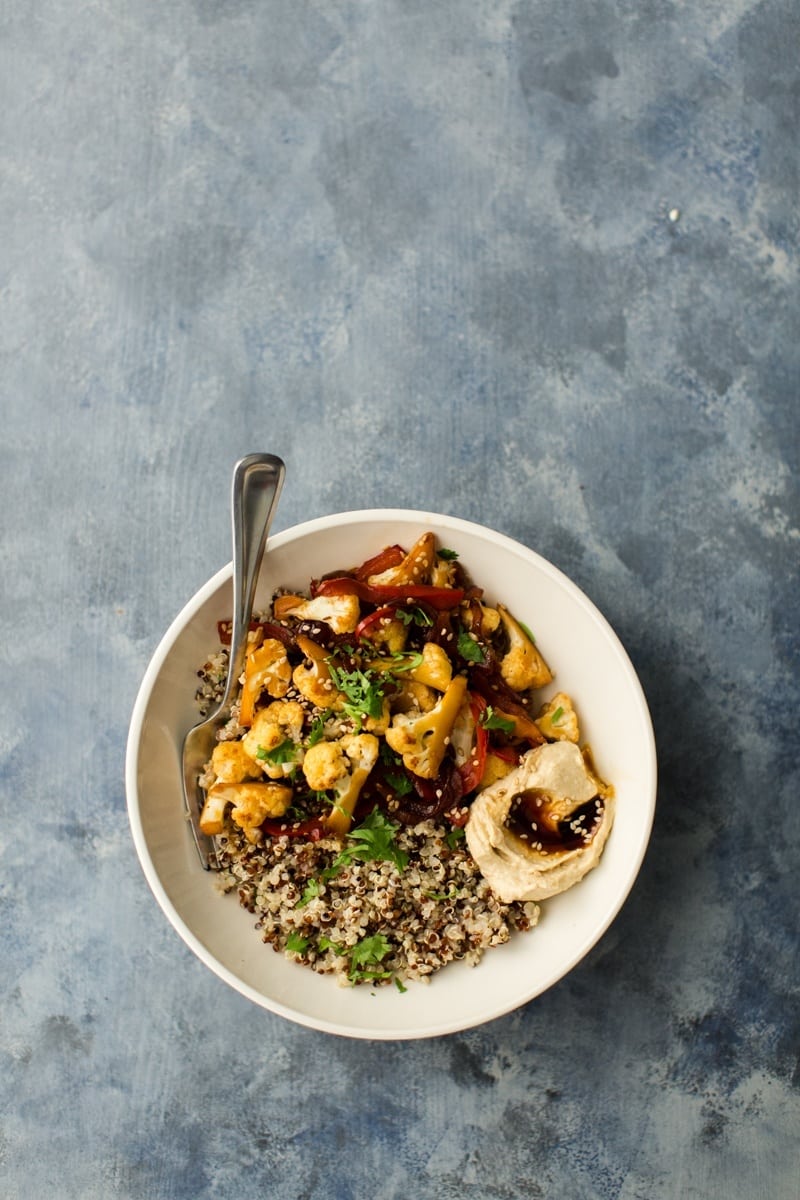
[414, 616]
[469, 649]
[525, 629]
[447, 555]
[371, 841]
[369, 952]
[489, 719]
[326, 943]
[557, 715]
[395, 776]
[317, 731]
[284, 752]
[406, 662]
[362, 689]
[398, 983]
[451, 895]
[401, 785]
[311, 891]
[455, 835]
[296, 943]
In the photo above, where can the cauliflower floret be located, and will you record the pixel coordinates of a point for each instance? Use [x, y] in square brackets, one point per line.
[341, 767]
[342, 613]
[231, 763]
[252, 804]
[324, 765]
[422, 738]
[523, 666]
[273, 726]
[558, 720]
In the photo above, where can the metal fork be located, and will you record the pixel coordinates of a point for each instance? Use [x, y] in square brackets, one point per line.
[257, 483]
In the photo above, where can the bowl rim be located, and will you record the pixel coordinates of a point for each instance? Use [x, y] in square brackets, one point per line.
[151, 675]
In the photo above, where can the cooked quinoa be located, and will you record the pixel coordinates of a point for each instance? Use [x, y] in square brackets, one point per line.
[438, 910]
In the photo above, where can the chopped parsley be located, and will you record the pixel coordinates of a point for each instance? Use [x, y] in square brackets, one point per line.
[371, 841]
[469, 649]
[368, 953]
[317, 731]
[284, 752]
[489, 719]
[447, 555]
[310, 893]
[400, 784]
[362, 690]
[326, 943]
[414, 616]
[398, 983]
[406, 662]
[296, 943]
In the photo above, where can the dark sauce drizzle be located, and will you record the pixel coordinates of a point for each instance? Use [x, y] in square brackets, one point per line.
[529, 818]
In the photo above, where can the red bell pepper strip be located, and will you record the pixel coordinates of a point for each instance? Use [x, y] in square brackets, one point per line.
[473, 769]
[390, 556]
[382, 594]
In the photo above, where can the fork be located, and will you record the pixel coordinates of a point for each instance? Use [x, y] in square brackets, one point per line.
[257, 483]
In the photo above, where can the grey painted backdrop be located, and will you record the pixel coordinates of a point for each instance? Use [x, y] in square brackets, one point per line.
[530, 262]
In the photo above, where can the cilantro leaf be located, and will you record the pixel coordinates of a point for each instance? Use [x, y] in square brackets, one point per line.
[284, 752]
[317, 731]
[400, 784]
[310, 893]
[362, 689]
[296, 943]
[406, 662]
[326, 943]
[371, 841]
[398, 983]
[489, 719]
[469, 649]
[414, 616]
[369, 952]
[455, 835]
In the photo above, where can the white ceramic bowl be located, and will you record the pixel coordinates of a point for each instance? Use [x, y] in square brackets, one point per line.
[589, 663]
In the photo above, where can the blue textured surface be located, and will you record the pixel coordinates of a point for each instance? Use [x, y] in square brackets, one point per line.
[529, 263]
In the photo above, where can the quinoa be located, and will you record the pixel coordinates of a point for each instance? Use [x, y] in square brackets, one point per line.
[435, 911]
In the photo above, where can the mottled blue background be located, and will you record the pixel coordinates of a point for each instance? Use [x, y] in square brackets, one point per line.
[423, 250]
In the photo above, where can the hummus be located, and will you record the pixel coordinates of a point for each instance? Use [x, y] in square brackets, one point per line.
[539, 829]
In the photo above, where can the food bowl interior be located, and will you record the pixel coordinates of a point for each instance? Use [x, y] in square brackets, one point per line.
[589, 664]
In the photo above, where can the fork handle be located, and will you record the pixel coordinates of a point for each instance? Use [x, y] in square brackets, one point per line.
[257, 483]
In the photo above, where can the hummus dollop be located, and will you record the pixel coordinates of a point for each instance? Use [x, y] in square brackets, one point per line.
[541, 828]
